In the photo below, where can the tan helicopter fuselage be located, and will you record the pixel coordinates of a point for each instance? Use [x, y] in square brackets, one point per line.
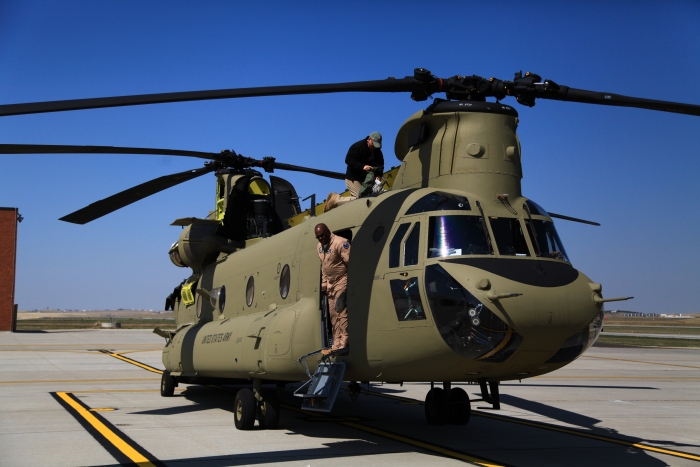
[411, 299]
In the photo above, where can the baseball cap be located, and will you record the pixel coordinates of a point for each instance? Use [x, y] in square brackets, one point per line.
[376, 138]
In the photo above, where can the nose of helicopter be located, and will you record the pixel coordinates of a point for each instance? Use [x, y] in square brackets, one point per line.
[540, 306]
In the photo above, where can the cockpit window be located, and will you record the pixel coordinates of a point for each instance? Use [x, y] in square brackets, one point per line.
[439, 201]
[536, 209]
[510, 238]
[410, 248]
[395, 245]
[545, 239]
[456, 235]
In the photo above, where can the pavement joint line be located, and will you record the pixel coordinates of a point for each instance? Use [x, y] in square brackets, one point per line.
[641, 446]
[29, 381]
[548, 426]
[125, 450]
[638, 361]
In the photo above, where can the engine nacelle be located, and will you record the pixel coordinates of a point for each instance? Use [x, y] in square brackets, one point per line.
[199, 245]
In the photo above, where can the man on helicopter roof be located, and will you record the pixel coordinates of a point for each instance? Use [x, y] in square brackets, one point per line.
[364, 157]
[334, 253]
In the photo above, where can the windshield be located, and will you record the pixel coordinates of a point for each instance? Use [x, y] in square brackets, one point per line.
[545, 239]
[456, 235]
[509, 236]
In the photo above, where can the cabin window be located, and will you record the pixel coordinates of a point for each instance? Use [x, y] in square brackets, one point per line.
[284, 281]
[509, 235]
[407, 301]
[545, 239]
[410, 247]
[439, 201]
[395, 245]
[250, 291]
[456, 235]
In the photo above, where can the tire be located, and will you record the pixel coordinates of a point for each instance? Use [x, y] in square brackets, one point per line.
[436, 408]
[269, 412]
[167, 384]
[245, 408]
[460, 407]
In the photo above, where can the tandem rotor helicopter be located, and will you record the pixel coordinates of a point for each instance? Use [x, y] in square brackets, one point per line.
[454, 276]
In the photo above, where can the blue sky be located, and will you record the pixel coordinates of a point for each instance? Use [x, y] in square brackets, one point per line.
[635, 171]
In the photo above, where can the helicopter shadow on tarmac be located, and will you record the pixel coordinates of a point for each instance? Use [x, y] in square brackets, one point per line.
[582, 421]
[498, 440]
[351, 443]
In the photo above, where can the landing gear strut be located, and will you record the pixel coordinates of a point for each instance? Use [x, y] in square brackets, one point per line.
[494, 397]
[447, 405]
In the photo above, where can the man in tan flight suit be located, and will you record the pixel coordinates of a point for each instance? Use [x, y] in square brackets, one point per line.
[334, 253]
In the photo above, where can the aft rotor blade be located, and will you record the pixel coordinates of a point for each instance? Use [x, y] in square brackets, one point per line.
[572, 219]
[126, 197]
[224, 157]
[387, 85]
[68, 149]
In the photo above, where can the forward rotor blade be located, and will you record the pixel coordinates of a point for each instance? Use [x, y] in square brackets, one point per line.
[67, 149]
[322, 173]
[572, 219]
[126, 197]
[387, 85]
[606, 98]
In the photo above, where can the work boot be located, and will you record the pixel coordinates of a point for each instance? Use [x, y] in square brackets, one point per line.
[331, 201]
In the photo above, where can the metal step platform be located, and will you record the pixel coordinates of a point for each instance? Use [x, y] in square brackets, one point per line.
[320, 391]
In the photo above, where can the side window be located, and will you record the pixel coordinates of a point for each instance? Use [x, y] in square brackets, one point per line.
[509, 236]
[407, 301]
[410, 249]
[395, 245]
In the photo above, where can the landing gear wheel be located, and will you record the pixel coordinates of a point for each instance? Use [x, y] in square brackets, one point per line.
[245, 407]
[436, 407]
[460, 407]
[269, 410]
[167, 384]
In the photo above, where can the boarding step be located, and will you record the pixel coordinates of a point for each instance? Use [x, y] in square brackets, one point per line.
[320, 391]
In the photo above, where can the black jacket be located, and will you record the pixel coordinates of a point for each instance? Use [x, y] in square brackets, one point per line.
[360, 155]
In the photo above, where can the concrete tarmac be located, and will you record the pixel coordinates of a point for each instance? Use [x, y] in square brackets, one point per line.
[90, 397]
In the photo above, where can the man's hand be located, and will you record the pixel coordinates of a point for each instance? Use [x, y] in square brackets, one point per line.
[367, 168]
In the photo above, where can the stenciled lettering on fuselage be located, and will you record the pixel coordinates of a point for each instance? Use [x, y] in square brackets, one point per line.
[211, 338]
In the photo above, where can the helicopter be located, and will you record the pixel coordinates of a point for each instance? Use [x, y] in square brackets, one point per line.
[454, 276]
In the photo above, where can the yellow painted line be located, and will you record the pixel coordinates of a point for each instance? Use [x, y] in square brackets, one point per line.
[112, 437]
[644, 447]
[639, 361]
[138, 364]
[102, 409]
[30, 381]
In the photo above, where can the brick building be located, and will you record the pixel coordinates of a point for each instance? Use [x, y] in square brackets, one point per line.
[8, 256]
